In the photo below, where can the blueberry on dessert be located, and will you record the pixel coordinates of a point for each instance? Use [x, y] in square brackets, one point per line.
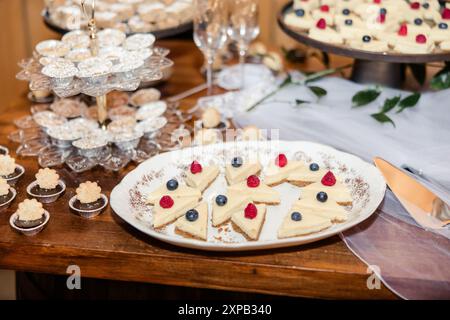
[9, 170]
[172, 184]
[296, 216]
[89, 200]
[3, 150]
[30, 214]
[418, 21]
[366, 38]
[322, 196]
[346, 12]
[47, 187]
[299, 12]
[443, 26]
[191, 215]
[348, 22]
[239, 169]
[194, 223]
[7, 194]
[314, 167]
[221, 200]
[236, 162]
[425, 5]
[383, 11]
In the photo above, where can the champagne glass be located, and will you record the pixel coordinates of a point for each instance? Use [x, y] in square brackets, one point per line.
[244, 27]
[210, 31]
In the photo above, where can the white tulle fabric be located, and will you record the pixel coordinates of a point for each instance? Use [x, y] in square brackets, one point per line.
[413, 262]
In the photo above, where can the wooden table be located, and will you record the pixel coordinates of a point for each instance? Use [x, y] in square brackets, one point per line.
[108, 248]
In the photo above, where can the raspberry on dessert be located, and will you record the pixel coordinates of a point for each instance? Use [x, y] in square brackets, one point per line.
[281, 160]
[250, 211]
[324, 8]
[253, 181]
[377, 1]
[446, 14]
[403, 31]
[321, 24]
[329, 179]
[166, 202]
[381, 18]
[415, 5]
[196, 167]
[420, 38]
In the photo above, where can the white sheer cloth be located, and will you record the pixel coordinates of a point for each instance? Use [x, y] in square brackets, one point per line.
[413, 262]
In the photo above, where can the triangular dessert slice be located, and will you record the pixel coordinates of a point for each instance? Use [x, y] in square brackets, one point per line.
[256, 190]
[224, 206]
[194, 223]
[306, 174]
[238, 170]
[250, 220]
[201, 177]
[168, 209]
[175, 190]
[327, 209]
[334, 189]
[302, 222]
[279, 171]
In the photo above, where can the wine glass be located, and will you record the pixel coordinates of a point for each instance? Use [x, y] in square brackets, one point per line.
[243, 27]
[210, 31]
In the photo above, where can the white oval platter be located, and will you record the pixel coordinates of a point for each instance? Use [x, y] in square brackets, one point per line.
[128, 197]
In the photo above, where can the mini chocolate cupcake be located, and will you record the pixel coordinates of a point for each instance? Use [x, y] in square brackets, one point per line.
[30, 218]
[9, 170]
[89, 200]
[7, 194]
[48, 187]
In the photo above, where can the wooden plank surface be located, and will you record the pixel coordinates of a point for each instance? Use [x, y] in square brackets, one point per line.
[107, 248]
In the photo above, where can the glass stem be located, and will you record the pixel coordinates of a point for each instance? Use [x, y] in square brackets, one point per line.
[242, 55]
[209, 73]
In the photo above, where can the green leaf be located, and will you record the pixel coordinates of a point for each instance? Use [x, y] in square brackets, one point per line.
[382, 118]
[408, 102]
[390, 104]
[299, 102]
[318, 91]
[419, 72]
[364, 97]
[320, 74]
[441, 80]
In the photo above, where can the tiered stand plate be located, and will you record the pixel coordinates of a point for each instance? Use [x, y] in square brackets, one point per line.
[370, 67]
[159, 34]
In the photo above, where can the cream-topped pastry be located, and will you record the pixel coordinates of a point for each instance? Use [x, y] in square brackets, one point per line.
[175, 190]
[7, 165]
[403, 34]
[350, 20]
[211, 118]
[279, 170]
[224, 206]
[88, 192]
[324, 12]
[240, 169]
[256, 190]
[305, 175]
[321, 33]
[250, 220]
[421, 45]
[335, 190]
[369, 44]
[445, 45]
[306, 5]
[168, 209]
[4, 187]
[201, 177]
[328, 209]
[299, 19]
[440, 32]
[30, 214]
[298, 223]
[47, 178]
[194, 223]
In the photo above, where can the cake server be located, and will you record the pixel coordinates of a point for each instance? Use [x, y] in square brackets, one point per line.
[424, 206]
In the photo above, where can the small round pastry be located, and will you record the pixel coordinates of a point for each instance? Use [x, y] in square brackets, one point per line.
[299, 19]
[48, 187]
[440, 32]
[89, 201]
[30, 217]
[9, 170]
[321, 33]
[211, 118]
[7, 194]
[420, 45]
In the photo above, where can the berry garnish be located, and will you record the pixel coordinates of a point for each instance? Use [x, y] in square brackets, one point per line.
[250, 211]
[443, 26]
[322, 196]
[348, 22]
[446, 13]
[172, 184]
[299, 12]
[324, 8]
[366, 38]
[415, 5]
[381, 18]
[196, 167]
[236, 162]
[403, 31]
[321, 24]
[253, 181]
[345, 12]
[383, 11]
[329, 179]
[314, 167]
[377, 1]
[191, 215]
[281, 160]
[166, 202]
[420, 38]
[425, 5]
[418, 21]
[296, 216]
[221, 200]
